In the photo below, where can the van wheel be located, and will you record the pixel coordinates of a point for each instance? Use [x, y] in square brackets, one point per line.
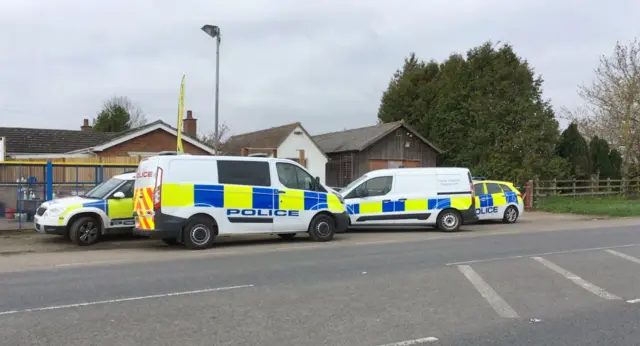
[199, 233]
[510, 215]
[85, 231]
[322, 228]
[287, 236]
[449, 220]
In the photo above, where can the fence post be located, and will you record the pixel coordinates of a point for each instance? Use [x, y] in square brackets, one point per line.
[555, 187]
[536, 190]
[573, 191]
[49, 180]
[528, 195]
[608, 185]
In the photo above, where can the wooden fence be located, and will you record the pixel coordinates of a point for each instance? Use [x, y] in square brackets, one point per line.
[68, 170]
[593, 187]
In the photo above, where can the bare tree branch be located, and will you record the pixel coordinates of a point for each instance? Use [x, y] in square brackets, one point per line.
[210, 138]
[137, 117]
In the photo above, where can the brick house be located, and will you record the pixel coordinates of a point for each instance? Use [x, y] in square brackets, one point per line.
[355, 152]
[31, 143]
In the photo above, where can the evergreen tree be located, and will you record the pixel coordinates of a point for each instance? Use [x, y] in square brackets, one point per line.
[573, 147]
[600, 161]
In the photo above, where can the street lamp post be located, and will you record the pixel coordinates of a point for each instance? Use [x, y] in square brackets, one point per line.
[214, 31]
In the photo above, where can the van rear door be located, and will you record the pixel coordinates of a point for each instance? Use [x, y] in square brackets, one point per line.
[143, 193]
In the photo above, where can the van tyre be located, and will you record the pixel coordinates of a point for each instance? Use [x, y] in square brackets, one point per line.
[85, 231]
[199, 233]
[449, 220]
[510, 215]
[322, 228]
[287, 236]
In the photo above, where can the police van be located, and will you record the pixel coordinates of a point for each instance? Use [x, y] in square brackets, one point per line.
[105, 209]
[497, 200]
[441, 197]
[191, 199]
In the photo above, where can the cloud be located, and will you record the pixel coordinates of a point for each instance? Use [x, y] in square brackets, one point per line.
[325, 63]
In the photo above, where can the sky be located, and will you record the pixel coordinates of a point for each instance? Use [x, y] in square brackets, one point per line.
[324, 63]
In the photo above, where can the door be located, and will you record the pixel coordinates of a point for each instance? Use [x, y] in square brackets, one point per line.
[492, 202]
[120, 210]
[370, 203]
[298, 201]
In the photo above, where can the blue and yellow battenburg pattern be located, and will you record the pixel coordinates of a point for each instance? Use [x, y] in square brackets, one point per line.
[246, 197]
[496, 199]
[113, 208]
[460, 203]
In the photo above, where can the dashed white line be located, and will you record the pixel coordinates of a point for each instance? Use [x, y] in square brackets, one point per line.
[413, 342]
[633, 301]
[624, 255]
[600, 292]
[111, 301]
[497, 303]
[541, 254]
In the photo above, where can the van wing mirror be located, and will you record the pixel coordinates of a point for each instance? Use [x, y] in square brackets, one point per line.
[316, 183]
[118, 195]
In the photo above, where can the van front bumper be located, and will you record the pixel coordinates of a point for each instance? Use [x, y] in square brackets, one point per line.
[48, 225]
[342, 222]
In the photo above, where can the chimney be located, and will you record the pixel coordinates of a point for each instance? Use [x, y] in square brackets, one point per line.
[189, 125]
[85, 125]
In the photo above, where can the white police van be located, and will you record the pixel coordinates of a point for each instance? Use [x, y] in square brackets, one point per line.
[105, 209]
[191, 199]
[442, 197]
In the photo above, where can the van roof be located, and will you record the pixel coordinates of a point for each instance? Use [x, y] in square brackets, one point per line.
[423, 170]
[215, 158]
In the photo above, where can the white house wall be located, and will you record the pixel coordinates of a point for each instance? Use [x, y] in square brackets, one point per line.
[316, 161]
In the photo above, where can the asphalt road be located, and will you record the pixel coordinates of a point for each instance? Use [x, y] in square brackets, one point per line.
[570, 287]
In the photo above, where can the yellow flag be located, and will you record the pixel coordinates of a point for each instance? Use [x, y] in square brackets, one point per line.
[180, 115]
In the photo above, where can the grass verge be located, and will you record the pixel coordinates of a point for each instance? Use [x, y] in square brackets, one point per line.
[590, 205]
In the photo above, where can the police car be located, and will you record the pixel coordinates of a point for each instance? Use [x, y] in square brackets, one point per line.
[107, 208]
[497, 200]
[191, 199]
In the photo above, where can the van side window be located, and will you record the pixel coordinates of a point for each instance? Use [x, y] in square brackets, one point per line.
[478, 189]
[254, 173]
[378, 186]
[493, 188]
[127, 189]
[505, 188]
[294, 177]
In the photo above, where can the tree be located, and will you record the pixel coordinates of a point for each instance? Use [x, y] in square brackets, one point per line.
[211, 140]
[600, 161]
[573, 147]
[118, 114]
[612, 109]
[484, 109]
[616, 164]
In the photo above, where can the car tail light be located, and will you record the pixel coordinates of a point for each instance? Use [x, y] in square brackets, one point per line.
[157, 189]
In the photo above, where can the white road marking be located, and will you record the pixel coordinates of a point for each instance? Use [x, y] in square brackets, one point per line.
[624, 255]
[412, 342]
[111, 301]
[541, 254]
[600, 292]
[88, 263]
[633, 301]
[497, 303]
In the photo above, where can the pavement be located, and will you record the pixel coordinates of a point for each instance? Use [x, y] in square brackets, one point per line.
[575, 284]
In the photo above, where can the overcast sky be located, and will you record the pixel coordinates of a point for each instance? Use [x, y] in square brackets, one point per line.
[322, 62]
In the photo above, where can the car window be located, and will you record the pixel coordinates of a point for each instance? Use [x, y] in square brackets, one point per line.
[493, 188]
[506, 188]
[127, 189]
[254, 173]
[378, 186]
[478, 189]
[294, 177]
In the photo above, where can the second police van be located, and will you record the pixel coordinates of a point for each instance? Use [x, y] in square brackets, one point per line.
[441, 197]
[192, 199]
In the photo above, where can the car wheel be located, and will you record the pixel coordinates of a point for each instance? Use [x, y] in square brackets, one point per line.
[449, 220]
[322, 228]
[287, 236]
[510, 215]
[199, 233]
[85, 231]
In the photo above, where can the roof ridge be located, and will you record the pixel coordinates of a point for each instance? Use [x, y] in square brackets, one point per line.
[297, 123]
[359, 128]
